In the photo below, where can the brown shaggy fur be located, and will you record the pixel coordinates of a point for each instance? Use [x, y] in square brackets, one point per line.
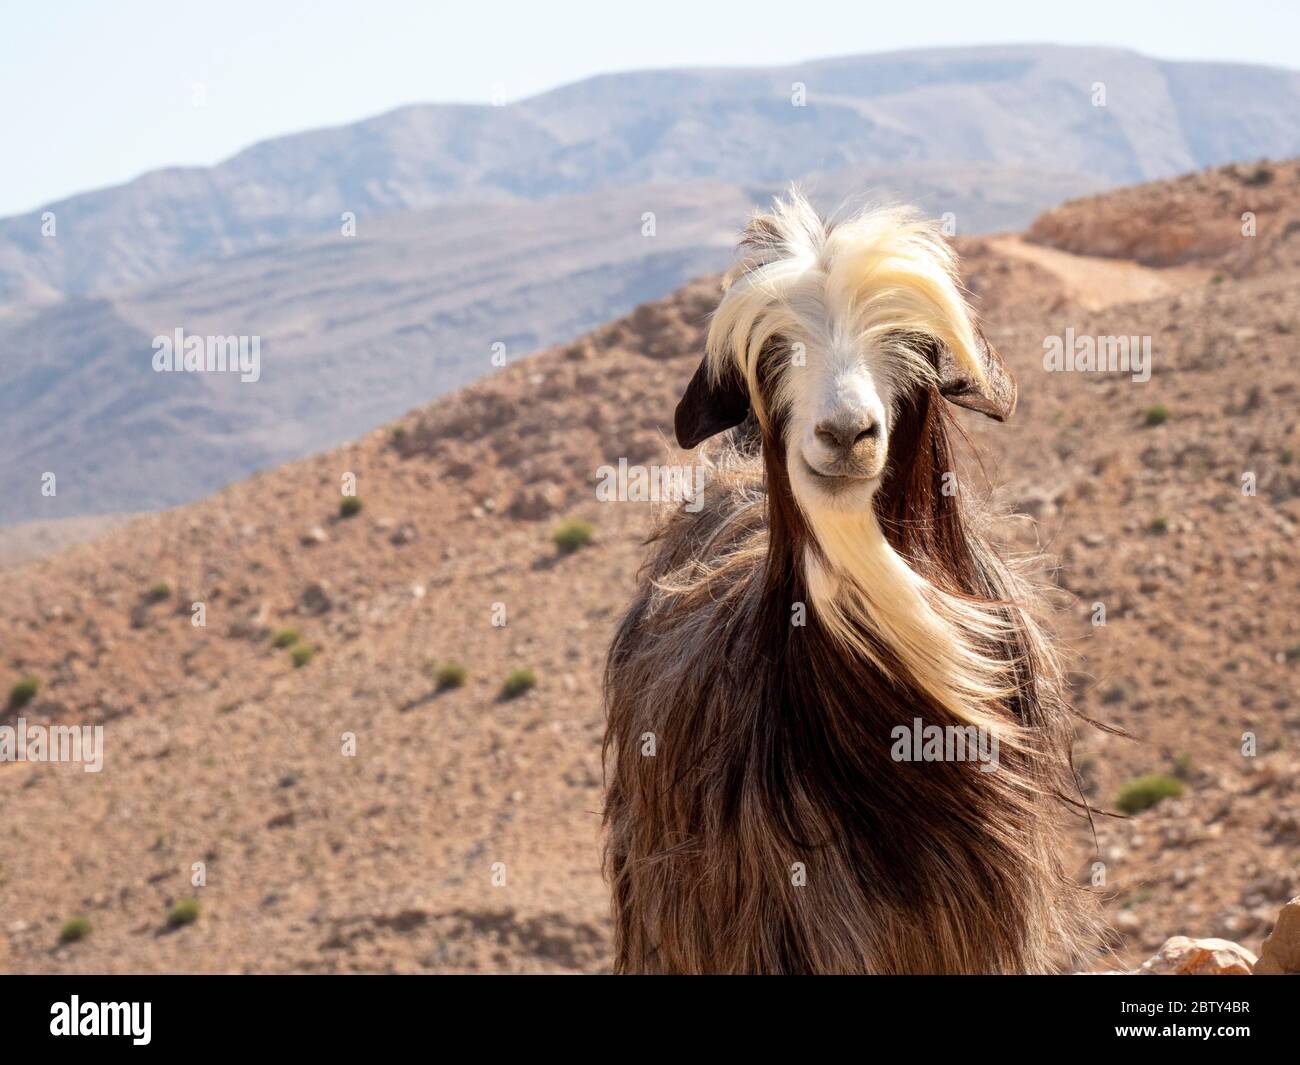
[772, 751]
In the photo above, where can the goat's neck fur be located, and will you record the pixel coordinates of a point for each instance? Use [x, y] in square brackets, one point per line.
[950, 642]
[857, 581]
[773, 739]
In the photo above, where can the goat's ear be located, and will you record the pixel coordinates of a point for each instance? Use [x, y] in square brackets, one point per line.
[709, 407]
[996, 398]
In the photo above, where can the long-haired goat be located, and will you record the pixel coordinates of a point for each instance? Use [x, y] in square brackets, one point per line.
[830, 599]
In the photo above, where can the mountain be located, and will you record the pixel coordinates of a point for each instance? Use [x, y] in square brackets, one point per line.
[219, 751]
[1024, 106]
[354, 330]
[521, 225]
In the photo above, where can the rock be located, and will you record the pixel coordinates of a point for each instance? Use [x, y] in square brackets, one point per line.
[254, 626]
[315, 599]
[1280, 954]
[314, 535]
[404, 534]
[1181, 956]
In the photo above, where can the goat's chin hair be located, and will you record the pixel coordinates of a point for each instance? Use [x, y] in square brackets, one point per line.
[812, 500]
[860, 586]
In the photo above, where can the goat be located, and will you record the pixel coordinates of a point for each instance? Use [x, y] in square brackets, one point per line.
[830, 595]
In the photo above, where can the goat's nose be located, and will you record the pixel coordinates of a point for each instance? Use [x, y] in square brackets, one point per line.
[845, 431]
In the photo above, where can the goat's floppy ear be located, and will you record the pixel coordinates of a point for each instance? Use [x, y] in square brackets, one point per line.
[708, 407]
[996, 398]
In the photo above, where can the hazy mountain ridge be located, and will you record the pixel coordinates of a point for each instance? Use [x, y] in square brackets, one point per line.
[1023, 105]
[521, 225]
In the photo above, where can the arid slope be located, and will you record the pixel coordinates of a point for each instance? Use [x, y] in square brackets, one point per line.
[463, 833]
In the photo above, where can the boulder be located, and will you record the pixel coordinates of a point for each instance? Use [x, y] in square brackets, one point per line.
[1280, 954]
[1181, 956]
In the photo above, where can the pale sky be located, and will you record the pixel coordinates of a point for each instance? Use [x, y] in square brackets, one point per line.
[95, 94]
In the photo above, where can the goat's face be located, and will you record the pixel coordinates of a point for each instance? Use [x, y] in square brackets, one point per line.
[838, 399]
[824, 332]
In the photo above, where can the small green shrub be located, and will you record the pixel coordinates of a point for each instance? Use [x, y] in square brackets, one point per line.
[450, 675]
[301, 655]
[572, 534]
[158, 593]
[1159, 525]
[23, 692]
[1184, 767]
[398, 434]
[1144, 792]
[349, 507]
[183, 912]
[1292, 653]
[1217, 279]
[519, 681]
[1157, 415]
[285, 638]
[75, 929]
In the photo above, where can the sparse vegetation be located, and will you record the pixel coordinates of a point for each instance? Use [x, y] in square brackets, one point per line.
[1285, 456]
[519, 681]
[158, 593]
[1157, 415]
[1261, 175]
[1114, 693]
[1184, 767]
[1292, 653]
[397, 434]
[1217, 279]
[1159, 525]
[350, 507]
[1144, 792]
[572, 534]
[301, 655]
[23, 692]
[75, 929]
[285, 638]
[183, 912]
[449, 675]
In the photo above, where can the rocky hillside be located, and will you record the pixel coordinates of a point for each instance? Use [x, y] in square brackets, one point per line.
[1238, 219]
[351, 811]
